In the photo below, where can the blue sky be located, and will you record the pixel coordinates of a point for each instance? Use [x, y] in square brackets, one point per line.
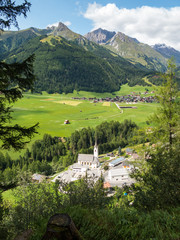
[150, 21]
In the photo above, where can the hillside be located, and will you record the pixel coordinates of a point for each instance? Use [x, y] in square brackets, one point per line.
[130, 48]
[168, 52]
[65, 61]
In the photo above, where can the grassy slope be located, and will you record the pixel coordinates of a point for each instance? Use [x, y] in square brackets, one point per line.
[51, 115]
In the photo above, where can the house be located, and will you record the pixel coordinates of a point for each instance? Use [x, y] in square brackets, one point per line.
[129, 151]
[107, 185]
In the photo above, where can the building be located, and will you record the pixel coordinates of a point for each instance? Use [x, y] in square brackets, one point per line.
[119, 175]
[127, 165]
[66, 122]
[116, 162]
[111, 155]
[90, 160]
[129, 151]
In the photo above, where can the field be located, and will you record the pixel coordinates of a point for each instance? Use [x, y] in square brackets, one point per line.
[52, 110]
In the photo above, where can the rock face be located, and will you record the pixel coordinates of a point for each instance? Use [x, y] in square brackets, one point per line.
[61, 226]
[100, 36]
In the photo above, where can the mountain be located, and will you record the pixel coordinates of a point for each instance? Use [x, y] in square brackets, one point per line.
[65, 61]
[130, 48]
[10, 40]
[63, 31]
[100, 36]
[168, 52]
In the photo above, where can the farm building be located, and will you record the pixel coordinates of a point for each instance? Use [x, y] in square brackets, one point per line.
[66, 122]
[116, 162]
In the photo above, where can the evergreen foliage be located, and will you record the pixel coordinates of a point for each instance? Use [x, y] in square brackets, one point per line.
[9, 12]
[14, 78]
[158, 184]
[36, 203]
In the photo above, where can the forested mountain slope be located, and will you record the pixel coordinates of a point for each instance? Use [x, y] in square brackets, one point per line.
[62, 66]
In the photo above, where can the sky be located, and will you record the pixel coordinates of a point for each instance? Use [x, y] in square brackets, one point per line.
[150, 21]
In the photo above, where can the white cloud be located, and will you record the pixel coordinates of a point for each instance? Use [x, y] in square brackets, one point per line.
[148, 24]
[53, 25]
[67, 23]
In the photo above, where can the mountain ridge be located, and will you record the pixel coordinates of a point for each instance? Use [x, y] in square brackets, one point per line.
[66, 60]
[167, 51]
[134, 51]
[63, 65]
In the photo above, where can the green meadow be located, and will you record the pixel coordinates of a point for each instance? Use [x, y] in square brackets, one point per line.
[52, 110]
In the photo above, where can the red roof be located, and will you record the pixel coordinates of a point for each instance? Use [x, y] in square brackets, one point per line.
[107, 185]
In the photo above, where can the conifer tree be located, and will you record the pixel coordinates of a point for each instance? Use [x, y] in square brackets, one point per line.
[14, 79]
[158, 184]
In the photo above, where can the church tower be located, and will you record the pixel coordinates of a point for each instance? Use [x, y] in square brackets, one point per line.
[96, 150]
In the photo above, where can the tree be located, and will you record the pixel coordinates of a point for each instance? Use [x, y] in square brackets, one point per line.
[9, 12]
[86, 192]
[14, 79]
[167, 117]
[158, 184]
[34, 203]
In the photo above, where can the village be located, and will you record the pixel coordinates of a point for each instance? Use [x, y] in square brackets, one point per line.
[115, 172]
[131, 98]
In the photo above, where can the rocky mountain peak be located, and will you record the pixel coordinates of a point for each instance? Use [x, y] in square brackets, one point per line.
[100, 35]
[61, 27]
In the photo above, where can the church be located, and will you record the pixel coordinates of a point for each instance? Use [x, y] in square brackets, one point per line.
[89, 160]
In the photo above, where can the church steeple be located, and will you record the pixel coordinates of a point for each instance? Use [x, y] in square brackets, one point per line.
[96, 149]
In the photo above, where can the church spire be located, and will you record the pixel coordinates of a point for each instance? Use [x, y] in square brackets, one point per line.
[96, 149]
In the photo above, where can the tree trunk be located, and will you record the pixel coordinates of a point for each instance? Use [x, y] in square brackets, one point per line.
[61, 227]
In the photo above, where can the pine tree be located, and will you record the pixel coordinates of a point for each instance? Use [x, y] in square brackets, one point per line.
[14, 79]
[158, 184]
[9, 12]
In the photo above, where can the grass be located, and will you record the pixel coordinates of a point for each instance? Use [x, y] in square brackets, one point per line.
[52, 110]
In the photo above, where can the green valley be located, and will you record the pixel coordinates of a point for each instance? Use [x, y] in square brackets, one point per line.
[51, 110]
